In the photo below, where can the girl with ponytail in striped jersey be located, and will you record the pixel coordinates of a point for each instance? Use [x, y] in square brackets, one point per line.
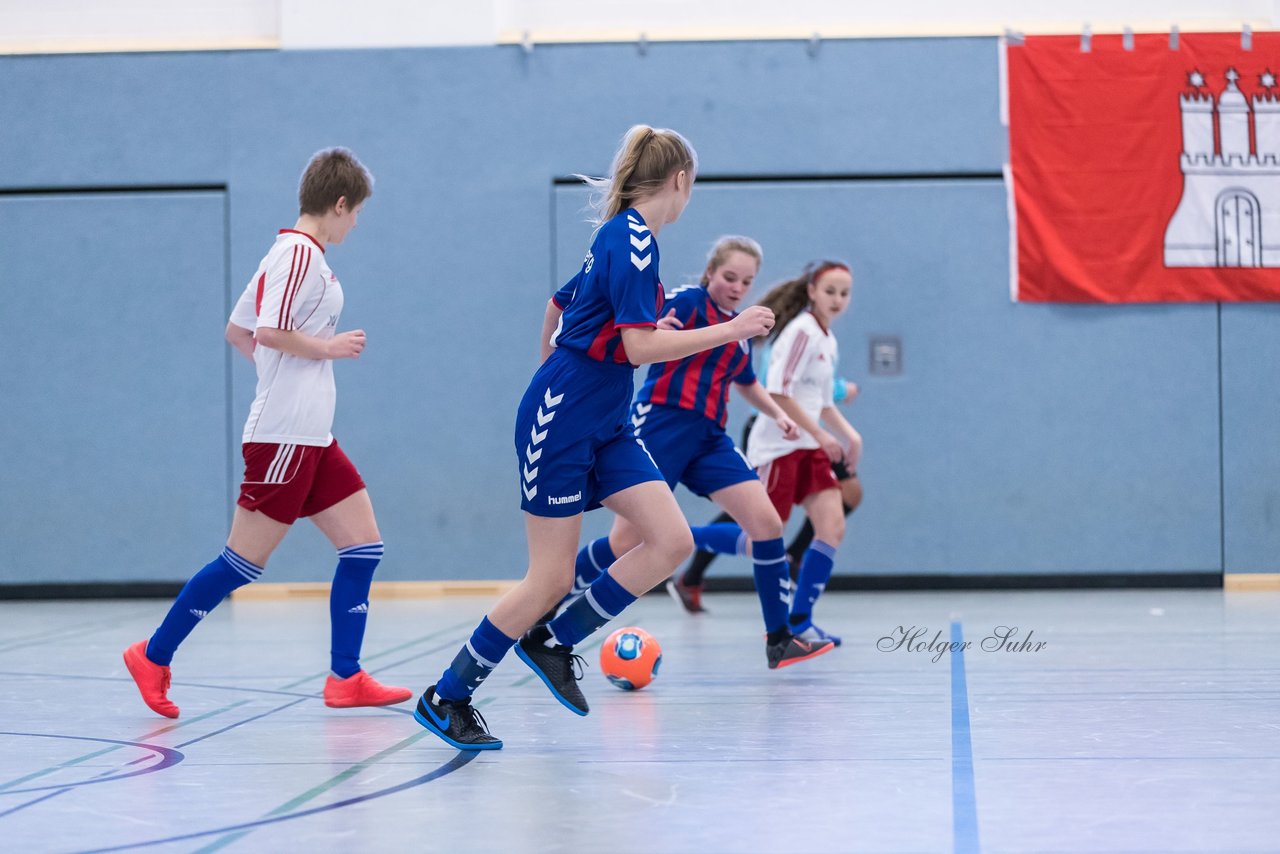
[286, 323]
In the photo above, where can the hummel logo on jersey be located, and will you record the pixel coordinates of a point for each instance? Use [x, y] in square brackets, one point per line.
[564, 499]
[362, 608]
[333, 320]
[640, 244]
[588, 262]
[532, 453]
[198, 614]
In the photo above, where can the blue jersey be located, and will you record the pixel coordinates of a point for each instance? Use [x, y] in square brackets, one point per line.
[699, 383]
[616, 288]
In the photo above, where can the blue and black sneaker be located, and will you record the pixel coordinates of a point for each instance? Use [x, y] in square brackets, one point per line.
[457, 722]
[557, 667]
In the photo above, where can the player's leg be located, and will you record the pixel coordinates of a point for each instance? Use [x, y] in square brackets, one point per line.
[598, 555]
[350, 525]
[696, 570]
[445, 707]
[825, 509]
[851, 495]
[254, 536]
[665, 540]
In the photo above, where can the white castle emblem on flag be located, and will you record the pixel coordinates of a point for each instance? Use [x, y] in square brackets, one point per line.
[1229, 214]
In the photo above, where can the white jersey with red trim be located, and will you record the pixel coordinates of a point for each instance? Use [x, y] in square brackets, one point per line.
[802, 367]
[294, 290]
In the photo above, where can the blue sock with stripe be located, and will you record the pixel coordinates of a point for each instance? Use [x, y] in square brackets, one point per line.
[199, 596]
[602, 601]
[474, 662]
[773, 583]
[723, 538]
[349, 606]
[593, 559]
[815, 572]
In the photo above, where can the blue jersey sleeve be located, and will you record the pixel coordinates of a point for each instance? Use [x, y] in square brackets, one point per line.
[564, 296]
[634, 289]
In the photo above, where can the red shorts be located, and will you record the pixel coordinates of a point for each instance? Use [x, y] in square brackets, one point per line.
[287, 482]
[793, 478]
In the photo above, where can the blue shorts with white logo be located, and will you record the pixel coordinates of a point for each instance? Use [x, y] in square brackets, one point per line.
[690, 448]
[574, 446]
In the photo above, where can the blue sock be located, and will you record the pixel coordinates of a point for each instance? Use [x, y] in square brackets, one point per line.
[773, 583]
[201, 595]
[474, 662]
[723, 538]
[604, 600]
[815, 572]
[349, 606]
[594, 558]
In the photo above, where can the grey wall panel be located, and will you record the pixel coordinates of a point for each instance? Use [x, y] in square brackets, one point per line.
[1250, 430]
[114, 391]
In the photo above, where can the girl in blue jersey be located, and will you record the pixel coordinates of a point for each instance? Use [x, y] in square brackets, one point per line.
[575, 450]
[680, 417]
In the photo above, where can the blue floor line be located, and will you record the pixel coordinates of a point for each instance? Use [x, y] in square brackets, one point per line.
[964, 806]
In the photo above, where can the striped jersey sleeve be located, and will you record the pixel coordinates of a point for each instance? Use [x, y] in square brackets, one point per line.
[289, 274]
[788, 358]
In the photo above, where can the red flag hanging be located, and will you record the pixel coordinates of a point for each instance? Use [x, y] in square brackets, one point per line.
[1145, 175]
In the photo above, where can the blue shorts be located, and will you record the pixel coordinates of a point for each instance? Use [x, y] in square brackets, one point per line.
[574, 446]
[690, 448]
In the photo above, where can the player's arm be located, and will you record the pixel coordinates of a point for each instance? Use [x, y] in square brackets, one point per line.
[550, 321]
[647, 344]
[755, 394]
[346, 345]
[830, 444]
[241, 339]
[833, 418]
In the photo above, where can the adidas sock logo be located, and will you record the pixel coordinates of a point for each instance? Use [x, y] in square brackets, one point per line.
[199, 615]
[362, 608]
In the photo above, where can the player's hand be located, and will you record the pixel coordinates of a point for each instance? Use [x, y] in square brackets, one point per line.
[670, 321]
[753, 322]
[790, 431]
[831, 447]
[347, 345]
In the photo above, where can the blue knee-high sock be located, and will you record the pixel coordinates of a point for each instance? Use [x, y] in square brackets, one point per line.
[474, 662]
[724, 538]
[773, 584]
[593, 559]
[815, 572]
[603, 600]
[199, 596]
[349, 606]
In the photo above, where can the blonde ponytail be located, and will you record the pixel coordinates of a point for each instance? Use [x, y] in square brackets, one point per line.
[645, 160]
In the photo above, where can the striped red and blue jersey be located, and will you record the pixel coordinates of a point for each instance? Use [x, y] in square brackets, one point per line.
[616, 288]
[699, 383]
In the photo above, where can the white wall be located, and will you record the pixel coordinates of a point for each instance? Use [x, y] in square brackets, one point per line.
[108, 25]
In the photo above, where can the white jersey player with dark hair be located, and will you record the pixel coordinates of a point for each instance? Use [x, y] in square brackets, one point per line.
[286, 322]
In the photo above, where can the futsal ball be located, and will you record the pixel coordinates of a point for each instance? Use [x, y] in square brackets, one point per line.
[630, 658]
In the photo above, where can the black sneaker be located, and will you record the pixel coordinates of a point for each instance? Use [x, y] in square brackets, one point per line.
[557, 667]
[457, 722]
[792, 650]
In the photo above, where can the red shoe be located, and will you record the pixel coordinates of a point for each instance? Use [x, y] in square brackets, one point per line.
[361, 690]
[152, 679]
[689, 596]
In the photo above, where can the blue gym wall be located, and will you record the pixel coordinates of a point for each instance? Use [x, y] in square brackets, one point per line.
[1019, 438]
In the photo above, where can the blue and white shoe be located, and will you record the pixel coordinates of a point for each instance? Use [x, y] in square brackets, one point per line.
[814, 634]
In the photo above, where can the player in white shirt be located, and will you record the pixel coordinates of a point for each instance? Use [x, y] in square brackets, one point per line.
[286, 322]
[798, 471]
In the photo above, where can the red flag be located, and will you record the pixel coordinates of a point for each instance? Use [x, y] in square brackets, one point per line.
[1145, 175]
